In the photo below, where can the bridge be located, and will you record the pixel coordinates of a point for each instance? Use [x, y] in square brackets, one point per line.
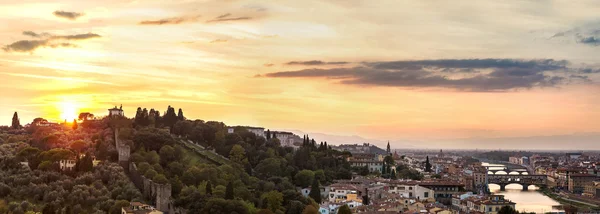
[507, 170]
[524, 180]
[513, 175]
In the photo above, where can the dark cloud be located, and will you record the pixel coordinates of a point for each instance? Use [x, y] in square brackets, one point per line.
[35, 35]
[227, 17]
[580, 77]
[171, 21]
[315, 62]
[590, 40]
[543, 64]
[67, 15]
[51, 41]
[470, 74]
[589, 70]
[25, 45]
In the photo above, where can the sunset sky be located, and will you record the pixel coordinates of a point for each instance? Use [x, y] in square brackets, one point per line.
[385, 69]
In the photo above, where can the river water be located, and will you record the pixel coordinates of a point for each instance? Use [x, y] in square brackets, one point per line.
[529, 200]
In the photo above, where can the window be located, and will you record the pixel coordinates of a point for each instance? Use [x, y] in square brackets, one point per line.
[426, 195]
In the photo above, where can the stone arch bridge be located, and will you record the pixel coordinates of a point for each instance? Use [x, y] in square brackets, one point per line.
[523, 180]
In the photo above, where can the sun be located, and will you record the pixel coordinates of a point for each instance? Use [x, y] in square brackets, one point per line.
[68, 110]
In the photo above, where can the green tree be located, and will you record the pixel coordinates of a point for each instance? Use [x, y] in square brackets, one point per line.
[238, 154]
[229, 195]
[16, 124]
[150, 173]
[167, 155]
[116, 208]
[304, 178]
[222, 206]
[344, 210]
[160, 179]
[79, 146]
[273, 200]
[84, 116]
[310, 209]
[507, 210]
[315, 191]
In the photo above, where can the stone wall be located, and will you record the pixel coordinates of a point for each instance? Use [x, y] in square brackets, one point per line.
[160, 194]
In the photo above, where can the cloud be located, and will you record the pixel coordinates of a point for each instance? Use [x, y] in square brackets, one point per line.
[315, 62]
[268, 64]
[227, 17]
[218, 41]
[590, 40]
[170, 21]
[35, 35]
[32, 45]
[470, 74]
[67, 15]
[78, 36]
[25, 45]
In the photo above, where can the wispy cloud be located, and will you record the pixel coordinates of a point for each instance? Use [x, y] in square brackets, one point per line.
[268, 64]
[67, 15]
[315, 62]
[70, 79]
[171, 21]
[470, 74]
[35, 35]
[51, 41]
[227, 17]
[219, 41]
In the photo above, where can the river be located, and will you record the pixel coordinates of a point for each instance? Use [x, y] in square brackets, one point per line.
[529, 200]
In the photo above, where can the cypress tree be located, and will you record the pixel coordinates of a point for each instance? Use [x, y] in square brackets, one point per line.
[16, 123]
[315, 191]
[229, 191]
[75, 126]
[180, 115]
[366, 197]
[268, 134]
[208, 188]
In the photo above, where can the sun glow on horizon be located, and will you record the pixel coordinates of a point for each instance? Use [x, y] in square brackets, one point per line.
[68, 110]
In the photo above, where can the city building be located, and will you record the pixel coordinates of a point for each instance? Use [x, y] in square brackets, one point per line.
[577, 182]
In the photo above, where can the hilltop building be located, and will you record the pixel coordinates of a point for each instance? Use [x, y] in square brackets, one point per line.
[113, 112]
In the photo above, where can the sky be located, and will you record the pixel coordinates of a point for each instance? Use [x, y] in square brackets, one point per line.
[386, 69]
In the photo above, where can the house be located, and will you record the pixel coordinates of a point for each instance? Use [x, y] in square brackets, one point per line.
[139, 208]
[341, 192]
[481, 204]
[374, 162]
[286, 139]
[258, 131]
[114, 112]
[67, 165]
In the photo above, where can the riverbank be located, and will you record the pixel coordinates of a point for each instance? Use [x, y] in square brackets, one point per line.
[581, 205]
